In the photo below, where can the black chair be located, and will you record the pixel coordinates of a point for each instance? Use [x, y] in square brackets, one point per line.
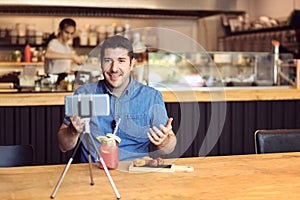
[277, 141]
[16, 155]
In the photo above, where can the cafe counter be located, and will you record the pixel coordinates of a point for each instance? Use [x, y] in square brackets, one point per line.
[210, 121]
[175, 95]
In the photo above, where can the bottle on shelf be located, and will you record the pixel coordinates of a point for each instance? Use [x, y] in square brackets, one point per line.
[13, 36]
[16, 56]
[41, 54]
[38, 37]
[127, 30]
[83, 37]
[27, 53]
[111, 30]
[101, 33]
[92, 36]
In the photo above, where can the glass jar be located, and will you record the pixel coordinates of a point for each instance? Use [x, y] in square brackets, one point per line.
[16, 56]
[109, 151]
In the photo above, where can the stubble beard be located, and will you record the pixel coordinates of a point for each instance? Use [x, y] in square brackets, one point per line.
[119, 85]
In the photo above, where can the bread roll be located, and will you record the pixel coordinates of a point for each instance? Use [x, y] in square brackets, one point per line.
[138, 162]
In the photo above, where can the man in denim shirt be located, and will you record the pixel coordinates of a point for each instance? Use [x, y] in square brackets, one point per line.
[144, 122]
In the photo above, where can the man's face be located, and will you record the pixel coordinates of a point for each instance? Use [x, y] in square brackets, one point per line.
[116, 67]
[67, 33]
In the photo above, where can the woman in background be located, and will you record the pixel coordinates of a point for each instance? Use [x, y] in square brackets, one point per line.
[59, 54]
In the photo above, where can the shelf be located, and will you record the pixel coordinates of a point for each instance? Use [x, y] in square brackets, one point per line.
[21, 63]
[7, 41]
[126, 12]
[262, 30]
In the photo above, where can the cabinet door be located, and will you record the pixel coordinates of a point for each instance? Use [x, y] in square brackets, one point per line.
[177, 35]
[210, 30]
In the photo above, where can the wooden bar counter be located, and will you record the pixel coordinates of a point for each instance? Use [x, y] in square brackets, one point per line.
[265, 176]
[231, 115]
[195, 95]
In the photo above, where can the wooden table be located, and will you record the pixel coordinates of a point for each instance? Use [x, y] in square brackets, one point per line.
[268, 176]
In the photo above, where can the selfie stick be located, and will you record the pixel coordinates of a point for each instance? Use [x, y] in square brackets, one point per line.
[86, 131]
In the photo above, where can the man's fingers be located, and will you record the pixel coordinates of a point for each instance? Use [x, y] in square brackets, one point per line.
[169, 123]
[153, 133]
[168, 127]
[152, 140]
[77, 123]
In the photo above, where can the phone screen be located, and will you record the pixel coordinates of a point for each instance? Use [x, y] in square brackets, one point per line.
[87, 105]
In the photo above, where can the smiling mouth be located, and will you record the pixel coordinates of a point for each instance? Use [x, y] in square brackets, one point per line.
[114, 76]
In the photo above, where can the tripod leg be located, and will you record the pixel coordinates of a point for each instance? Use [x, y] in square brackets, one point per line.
[90, 168]
[105, 167]
[110, 178]
[61, 178]
[66, 168]
[90, 162]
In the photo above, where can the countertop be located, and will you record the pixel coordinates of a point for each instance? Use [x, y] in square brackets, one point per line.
[174, 95]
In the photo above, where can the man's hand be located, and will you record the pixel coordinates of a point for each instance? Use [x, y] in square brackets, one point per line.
[68, 135]
[159, 137]
[77, 124]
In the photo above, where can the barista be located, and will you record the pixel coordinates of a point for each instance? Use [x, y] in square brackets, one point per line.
[59, 54]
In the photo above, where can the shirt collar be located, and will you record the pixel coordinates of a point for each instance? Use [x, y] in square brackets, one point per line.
[133, 84]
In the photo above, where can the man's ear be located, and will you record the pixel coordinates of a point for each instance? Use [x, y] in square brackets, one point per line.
[132, 63]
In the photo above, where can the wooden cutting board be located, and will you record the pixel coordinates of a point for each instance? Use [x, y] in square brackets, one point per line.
[163, 168]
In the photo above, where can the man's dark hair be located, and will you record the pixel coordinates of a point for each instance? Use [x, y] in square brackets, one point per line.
[67, 22]
[117, 41]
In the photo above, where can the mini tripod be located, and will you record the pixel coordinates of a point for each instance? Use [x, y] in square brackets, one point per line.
[86, 132]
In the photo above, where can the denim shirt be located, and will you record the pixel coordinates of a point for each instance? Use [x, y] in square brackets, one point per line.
[140, 107]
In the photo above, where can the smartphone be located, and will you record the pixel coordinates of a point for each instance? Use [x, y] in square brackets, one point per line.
[87, 105]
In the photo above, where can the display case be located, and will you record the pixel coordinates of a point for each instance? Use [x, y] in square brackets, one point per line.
[208, 69]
